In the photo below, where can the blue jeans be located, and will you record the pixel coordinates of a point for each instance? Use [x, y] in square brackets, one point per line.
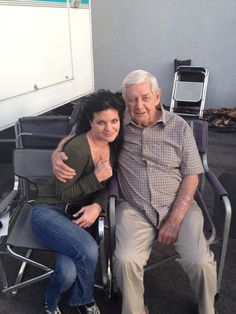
[77, 255]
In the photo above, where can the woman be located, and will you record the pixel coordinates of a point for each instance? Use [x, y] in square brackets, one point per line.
[64, 210]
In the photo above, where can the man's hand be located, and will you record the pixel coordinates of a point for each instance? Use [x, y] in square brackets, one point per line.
[87, 215]
[168, 232]
[60, 169]
[103, 170]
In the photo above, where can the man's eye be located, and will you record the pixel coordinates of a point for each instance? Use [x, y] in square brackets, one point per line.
[146, 98]
[115, 120]
[132, 100]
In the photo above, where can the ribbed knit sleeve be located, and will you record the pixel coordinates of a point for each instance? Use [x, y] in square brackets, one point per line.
[85, 183]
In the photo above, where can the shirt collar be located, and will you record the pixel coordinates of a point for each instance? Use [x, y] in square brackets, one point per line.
[162, 120]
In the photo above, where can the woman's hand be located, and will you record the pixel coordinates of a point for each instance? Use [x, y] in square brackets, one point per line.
[60, 169]
[87, 215]
[103, 170]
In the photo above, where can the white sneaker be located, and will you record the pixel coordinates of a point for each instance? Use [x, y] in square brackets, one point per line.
[57, 311]
[85, 309]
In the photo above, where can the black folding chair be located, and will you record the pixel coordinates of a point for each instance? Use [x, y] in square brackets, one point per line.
[36, 137]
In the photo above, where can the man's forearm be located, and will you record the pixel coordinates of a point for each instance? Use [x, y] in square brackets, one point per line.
[63, 142]
[58, 157]
[184, 198]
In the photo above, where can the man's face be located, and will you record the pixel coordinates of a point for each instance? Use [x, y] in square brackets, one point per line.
[141, 104]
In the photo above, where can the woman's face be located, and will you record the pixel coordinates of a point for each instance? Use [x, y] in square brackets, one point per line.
[105, 125]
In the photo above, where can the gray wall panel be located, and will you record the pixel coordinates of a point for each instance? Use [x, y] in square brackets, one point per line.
[150, 34]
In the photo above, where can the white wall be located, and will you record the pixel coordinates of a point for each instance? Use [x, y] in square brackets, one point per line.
[133, 34]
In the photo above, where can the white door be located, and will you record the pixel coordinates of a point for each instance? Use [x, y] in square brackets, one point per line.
[46, 57]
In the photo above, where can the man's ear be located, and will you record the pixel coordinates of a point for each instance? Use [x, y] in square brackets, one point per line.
[158, 95]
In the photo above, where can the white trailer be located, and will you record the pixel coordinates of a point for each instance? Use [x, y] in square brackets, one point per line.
[46, 56]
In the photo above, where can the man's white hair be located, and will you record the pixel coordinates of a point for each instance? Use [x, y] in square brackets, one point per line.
[139, 77]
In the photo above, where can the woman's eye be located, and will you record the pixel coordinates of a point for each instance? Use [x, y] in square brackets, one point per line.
[115, 120]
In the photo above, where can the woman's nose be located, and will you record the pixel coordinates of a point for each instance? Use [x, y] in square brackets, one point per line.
[107, 127]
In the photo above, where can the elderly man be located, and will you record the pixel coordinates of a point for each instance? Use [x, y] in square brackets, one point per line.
[158, 169]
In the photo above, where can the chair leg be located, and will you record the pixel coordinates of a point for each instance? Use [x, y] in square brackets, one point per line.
[113, 287]
[3, 275]
[225, 239]
[27, 282]
[25, 260]
[21, 272]
[103, 258]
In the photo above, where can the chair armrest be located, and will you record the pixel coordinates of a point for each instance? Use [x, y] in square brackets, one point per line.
[4, 204]
[101, 227]
[113, 187]
[113, 195]
[223, 196]
[215, 183]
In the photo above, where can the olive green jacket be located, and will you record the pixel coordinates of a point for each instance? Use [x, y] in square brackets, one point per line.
[84, 188]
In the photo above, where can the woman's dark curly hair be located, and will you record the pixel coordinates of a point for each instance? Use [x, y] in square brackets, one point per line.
[96, 102]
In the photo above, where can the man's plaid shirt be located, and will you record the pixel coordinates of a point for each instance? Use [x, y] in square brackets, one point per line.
[153, 162]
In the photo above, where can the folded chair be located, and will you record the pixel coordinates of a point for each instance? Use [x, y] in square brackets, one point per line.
[189, 91]
[178, 63]
[161, 254]
[36, 138]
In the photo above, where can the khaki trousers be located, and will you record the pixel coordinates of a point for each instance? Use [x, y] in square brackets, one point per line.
[134, 239]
